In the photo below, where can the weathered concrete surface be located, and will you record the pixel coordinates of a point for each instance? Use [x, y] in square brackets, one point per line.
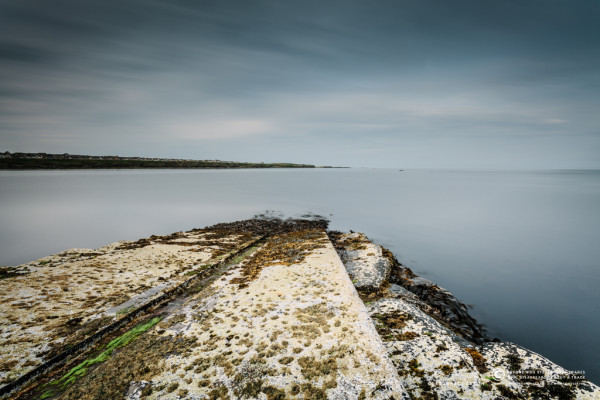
[439, 354]
[285, 323]
[56, 301]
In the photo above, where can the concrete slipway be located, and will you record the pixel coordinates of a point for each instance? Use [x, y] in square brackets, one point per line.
[251, 310]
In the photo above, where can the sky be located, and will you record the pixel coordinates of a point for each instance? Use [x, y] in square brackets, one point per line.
[511, 84]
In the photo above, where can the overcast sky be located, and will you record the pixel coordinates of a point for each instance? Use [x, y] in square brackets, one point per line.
[406, 84]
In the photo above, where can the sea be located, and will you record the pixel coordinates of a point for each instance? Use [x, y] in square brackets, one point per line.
[520, 248]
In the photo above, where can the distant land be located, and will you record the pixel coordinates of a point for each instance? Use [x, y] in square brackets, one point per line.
[10, 160]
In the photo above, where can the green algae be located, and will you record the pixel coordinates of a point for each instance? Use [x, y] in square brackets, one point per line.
[74, 373]
[126, 310]
[198, 270]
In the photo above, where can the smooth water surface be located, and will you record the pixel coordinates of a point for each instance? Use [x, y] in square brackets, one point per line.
[521, 247]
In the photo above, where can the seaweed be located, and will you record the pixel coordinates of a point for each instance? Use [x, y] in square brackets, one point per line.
[478, 359]
[286, 248]
[81, 369]
[11, 272]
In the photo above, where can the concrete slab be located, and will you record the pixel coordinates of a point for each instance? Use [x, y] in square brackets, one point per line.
[284, 323]
[52, 303]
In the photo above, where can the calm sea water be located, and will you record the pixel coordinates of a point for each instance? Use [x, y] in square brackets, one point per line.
[523, 248]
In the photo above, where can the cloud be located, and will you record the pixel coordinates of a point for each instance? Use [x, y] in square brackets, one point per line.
[218, 130]
[272, 76]
[554, 121]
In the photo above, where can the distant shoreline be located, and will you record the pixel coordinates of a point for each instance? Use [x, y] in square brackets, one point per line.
[37, 161]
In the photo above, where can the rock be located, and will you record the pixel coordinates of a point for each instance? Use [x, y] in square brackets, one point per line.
[136, 389]
[441, 352]
[364, 261]
[441, 303]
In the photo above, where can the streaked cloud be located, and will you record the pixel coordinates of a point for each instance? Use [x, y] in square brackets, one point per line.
[265, 80]
[218, 130]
